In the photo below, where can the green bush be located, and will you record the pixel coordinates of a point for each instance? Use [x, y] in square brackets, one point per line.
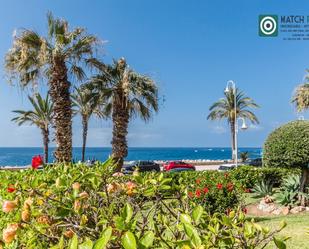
[75, 206]
[248, 176]
[287, 146]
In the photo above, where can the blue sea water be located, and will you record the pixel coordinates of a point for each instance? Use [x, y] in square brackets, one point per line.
[22, 156]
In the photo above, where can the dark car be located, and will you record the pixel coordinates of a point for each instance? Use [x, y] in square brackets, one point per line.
[178, 166]
[257, 162]
[142, 166]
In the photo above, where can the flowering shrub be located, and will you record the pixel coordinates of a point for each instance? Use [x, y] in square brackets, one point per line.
[215, 191]
[76, 206]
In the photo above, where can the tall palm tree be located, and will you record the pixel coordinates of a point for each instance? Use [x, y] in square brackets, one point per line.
[225, 109]
[301, 97]
[41, 116]
[59, 56]
[86, 102]
[128, 94]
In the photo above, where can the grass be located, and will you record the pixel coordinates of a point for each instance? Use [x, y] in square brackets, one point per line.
[297, 228]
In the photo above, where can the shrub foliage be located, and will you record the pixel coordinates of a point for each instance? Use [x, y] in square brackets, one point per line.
[287, 146]
[76, 206]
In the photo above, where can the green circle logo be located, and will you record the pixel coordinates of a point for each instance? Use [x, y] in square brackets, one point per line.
[268, 25]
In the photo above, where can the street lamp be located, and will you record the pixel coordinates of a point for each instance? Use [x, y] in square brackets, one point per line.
[232, 86]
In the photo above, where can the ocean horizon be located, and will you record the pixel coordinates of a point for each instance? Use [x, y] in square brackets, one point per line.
[11, 156]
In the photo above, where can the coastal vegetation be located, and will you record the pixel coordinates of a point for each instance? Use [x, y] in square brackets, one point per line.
[127, 95]
[224, 108]
[66, 205]
[93, 207]
[60, 57]
[287, 146]
[86, 103]
[40, 116]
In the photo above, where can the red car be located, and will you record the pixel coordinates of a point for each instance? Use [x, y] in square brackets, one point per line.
[178, 166]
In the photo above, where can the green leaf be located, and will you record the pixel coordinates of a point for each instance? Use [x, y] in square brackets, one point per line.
[102, 242]
[197, 213]
[88, 244]
[127, 213]
[184, 218]
[279, 243]
[147, 240]
[74, 242]
[128, 240]
[192, 233]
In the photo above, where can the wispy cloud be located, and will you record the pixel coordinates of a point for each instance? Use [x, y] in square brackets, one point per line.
[253, 127]
[218, 129]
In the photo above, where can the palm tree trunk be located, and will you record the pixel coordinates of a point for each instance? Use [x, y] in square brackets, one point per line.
[304, 182]
[232, 124]
[120, 118]
[60, 94]
[45, 134]
[85, 131]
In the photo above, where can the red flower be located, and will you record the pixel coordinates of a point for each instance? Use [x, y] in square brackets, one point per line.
[198, 181]
[11, 188]
[205, 190]
[219, 186]
[230, 186]
[36, 162]
[198, 193]
[190, 194]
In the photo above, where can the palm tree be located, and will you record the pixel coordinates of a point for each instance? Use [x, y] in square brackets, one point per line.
[86, 102]
[41, 116]
[224, 109]
[58, 56]
[244, 156]
[128, 94]
[301, 97]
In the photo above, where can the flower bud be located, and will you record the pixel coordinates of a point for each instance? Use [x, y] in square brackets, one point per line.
[44, 219]
[68, 233]
[9, 206]
[76, 186]
[28, 203]
[9, 233]
[25, 215]
[83, 195]
[77, 205]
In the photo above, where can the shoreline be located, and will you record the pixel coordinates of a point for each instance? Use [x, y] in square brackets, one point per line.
[197, 162]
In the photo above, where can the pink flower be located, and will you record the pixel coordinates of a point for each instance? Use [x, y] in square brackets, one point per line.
[118, 174]
[9, 206]
[9, 233]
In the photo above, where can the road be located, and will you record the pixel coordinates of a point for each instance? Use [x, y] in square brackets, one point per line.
[206, 167]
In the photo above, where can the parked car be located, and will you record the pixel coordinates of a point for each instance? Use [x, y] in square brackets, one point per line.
[181, 169]
[226, 167]
[142, 166]
[178, 166]
[257, 162]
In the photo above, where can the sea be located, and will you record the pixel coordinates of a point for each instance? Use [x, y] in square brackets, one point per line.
[22, 156]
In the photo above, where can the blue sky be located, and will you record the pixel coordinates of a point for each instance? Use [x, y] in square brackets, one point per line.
[191, 48]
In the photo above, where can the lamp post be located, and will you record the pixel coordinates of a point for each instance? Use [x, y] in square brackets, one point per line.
[231, 86]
